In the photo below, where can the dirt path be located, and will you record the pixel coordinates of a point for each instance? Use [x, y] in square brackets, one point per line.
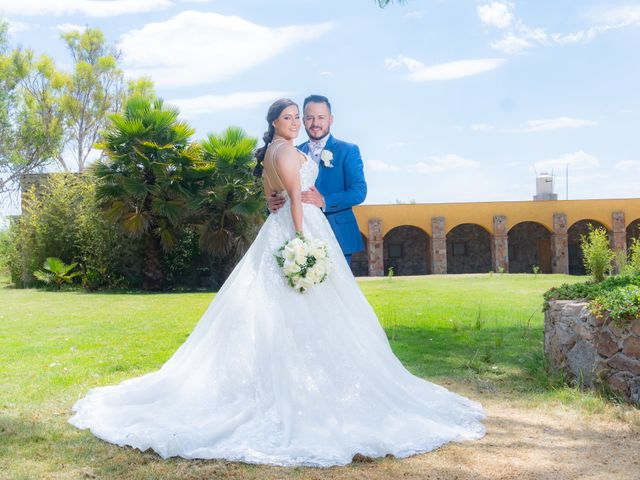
[521, 443]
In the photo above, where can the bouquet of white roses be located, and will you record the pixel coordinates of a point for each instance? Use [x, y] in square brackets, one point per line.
[304, 262]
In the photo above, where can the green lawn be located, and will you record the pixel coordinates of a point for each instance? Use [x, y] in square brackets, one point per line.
[481, 330]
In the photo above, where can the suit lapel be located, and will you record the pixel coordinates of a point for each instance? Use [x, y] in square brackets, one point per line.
[304, 147]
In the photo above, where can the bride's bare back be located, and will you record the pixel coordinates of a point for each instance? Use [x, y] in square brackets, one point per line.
[281, 172]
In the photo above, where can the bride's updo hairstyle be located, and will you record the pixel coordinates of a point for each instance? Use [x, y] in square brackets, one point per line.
[274, 112]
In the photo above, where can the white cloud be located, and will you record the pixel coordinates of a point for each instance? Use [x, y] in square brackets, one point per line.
[194, 48]
[496, 14]
[419, 72]
[17, 27]
[628, 165]
[616, 17]
[518, 36]
[90, 8]
[443, 163]
[511, 44]
[196, 106]
[553, 124]
[415, 14]
[482, 127]
[579, 160]
[380, 166]
[70, 27]
[533, 126]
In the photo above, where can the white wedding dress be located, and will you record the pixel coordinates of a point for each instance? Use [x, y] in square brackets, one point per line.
[272, 376]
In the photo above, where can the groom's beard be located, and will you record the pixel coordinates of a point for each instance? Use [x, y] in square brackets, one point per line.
[318, 136]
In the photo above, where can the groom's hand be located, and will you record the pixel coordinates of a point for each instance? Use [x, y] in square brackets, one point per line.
[275, 202]
[313, 197]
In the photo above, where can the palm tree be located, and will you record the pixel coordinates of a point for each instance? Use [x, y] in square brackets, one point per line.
[144, 181]
[230, 203]
[384, 3]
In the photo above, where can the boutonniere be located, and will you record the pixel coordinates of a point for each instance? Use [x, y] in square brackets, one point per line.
[326, 156]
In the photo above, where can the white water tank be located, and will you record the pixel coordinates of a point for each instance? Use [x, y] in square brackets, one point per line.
[544, 187]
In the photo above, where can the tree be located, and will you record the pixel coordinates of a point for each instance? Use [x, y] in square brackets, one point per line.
[93, 90]
[144, 181]
[31, 118]
[45, 113]
[229, 203]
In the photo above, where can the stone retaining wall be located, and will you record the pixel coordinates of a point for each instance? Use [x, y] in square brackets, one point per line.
[592, 350]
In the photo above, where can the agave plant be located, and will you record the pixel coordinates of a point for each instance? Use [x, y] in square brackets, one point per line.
[143, 182]
[230, 203]
[56, 272]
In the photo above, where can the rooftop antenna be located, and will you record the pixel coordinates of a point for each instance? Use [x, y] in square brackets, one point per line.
[566, 178]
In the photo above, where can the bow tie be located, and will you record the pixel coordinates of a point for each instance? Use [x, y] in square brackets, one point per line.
[315, 148]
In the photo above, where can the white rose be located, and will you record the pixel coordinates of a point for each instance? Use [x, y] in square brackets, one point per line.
[305, 283]
[290, 268]
[326, 157]
[313, 275]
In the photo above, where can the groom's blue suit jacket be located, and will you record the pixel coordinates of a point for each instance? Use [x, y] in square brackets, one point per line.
[342, 185]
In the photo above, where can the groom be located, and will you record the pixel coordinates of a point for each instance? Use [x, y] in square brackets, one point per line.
[340, 184]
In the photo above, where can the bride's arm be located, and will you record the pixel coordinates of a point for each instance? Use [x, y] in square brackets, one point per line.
[288, 162]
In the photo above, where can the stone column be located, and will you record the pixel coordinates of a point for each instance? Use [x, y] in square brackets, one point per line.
[560, 244]
[438, 246]
[619, 235]
[500, 244]
[376, 252]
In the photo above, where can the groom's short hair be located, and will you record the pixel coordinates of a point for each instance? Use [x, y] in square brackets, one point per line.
[316, 99]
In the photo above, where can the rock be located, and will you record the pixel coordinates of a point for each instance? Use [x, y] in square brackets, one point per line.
[620, 383]
[617, 331]
[623, 363]
[360, 458]
[606, 344]
[565, 335]
[634, 390]
[635, 327]
[631, 347]
[581, 360]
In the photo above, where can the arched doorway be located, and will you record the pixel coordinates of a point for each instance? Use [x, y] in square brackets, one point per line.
[633, 231]
[406, 249]
[529, 246]
[360, 260]
[575, 233]
[468, 249]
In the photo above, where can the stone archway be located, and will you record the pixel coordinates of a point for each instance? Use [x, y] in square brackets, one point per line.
[529, 246]
[579, 228]
[360, 260]
[633, 231]
[406, 249]
[468, 249]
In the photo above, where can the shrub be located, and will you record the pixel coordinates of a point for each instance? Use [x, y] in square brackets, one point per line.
[622, 304]
[633, 263]
[589, 290]
[56, 272]
[4, 248]
[63, 221]
[597, 253]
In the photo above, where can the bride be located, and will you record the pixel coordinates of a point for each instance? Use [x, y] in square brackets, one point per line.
[273, 376]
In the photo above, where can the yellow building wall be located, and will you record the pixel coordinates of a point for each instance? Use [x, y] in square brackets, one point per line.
[481, 213]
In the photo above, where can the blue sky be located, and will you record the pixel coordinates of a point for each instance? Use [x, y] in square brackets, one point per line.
[448, 100]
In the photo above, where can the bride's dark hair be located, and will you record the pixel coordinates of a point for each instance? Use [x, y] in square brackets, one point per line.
[274, 112]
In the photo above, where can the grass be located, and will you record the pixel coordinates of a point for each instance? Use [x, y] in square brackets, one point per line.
[480, 330]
